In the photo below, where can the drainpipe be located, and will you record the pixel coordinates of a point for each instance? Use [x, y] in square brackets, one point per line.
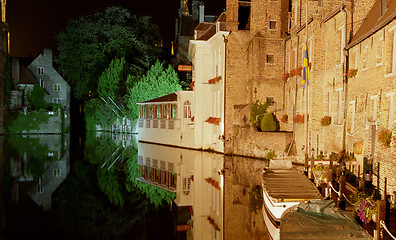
[345, 79]
[225, 90]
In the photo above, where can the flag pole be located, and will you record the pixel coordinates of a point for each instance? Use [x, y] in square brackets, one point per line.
[307, 82]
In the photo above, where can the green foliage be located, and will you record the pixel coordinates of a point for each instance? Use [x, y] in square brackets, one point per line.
[109, 81]
[157, 82]
[270, 155]
[257, 112]
[156, 196]
[18, 122]
[36, 152]
[90, 43]
[36, 98]
[98, 112]
[109, 183]
[269, 123]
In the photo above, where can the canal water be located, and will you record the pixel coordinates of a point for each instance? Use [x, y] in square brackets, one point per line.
[110, 186]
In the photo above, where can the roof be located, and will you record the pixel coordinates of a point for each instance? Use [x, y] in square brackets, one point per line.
[26, 76]
[167, 98]
[284, 184]
[374, 21]
[209, 29]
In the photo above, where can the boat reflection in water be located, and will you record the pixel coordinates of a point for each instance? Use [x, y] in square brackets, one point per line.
[197, 179]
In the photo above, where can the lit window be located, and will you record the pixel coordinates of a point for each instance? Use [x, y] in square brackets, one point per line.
[40, 70]
[56, 87]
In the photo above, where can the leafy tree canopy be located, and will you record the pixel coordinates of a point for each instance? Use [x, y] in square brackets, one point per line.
[36, 98]
[156, 83]
[108, 85]
[90, 42]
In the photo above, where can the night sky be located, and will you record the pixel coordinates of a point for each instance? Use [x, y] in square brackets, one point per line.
[33, 24]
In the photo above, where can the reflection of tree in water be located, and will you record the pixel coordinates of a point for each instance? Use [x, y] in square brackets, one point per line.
[94, 203]
[36, 153]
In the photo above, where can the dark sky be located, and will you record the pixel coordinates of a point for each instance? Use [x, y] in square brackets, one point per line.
[33, 23]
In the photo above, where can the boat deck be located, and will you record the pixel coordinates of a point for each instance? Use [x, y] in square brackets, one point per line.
[285, 185]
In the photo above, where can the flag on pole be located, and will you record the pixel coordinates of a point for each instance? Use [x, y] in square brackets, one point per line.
[305, 70]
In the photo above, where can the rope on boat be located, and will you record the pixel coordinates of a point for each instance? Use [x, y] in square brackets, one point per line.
[353, 204]
[386, 229]
[331, 185]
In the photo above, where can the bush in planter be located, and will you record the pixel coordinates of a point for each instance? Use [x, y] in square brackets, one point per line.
[258, 110]
[269, 123]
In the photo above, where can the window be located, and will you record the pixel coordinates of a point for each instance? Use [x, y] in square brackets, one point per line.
[173, 111]
[380, 45]
[375, 106]
[57, 172]
[244, 15]
[391, 114]
[272, 24]
[186, 186]
[270, 58]
[342, 45]
[56, 87]
[40, 70]
[187, 109]
[57, 100]
[339, 107]
[393, 60]
[41, 82]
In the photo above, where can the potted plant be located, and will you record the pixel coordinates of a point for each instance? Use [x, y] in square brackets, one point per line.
[325, 121]
[298, 118]
[352, 73]
[285, 118]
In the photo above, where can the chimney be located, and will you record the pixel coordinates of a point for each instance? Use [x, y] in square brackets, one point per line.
[195, 11]
[201, 12]
[48, 54]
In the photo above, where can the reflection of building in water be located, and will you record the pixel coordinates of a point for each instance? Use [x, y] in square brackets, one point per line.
[196, 178]
[56, 167]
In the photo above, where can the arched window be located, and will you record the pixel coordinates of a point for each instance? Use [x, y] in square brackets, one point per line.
[187, 109]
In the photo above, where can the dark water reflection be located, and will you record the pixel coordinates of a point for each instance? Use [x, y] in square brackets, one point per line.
[49, 195]
[112, 187]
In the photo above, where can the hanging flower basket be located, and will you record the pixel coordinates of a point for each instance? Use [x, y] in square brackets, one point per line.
[213, 120]
[298, 118]
[285, 118]
[214, 80]
[385, 137]
[352, 73]
[325, 121]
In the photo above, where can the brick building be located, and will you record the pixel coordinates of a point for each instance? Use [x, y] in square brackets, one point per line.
[254, 62]
[264, 61]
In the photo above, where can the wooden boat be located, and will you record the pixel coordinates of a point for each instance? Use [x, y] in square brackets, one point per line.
[284, 187]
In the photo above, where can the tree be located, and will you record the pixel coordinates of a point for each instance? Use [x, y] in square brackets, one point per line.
[108, 85]
[36, 98]
[156, 83]
[90, 42]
